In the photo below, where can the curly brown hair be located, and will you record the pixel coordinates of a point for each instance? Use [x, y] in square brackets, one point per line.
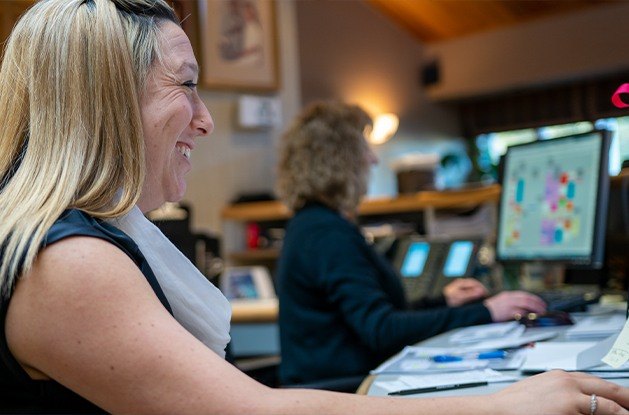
[324, 157]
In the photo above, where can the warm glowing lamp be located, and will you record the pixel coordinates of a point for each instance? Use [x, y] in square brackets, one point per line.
[384, 126]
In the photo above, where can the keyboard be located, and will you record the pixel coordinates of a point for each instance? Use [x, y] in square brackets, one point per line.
[570, 299]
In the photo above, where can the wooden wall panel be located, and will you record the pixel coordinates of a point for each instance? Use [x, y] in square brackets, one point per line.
[438, 20]
[10, 12]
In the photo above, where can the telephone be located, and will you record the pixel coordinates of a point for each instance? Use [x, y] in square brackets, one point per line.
[427, 265]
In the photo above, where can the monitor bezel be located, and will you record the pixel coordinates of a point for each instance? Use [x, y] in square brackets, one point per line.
[597, 253]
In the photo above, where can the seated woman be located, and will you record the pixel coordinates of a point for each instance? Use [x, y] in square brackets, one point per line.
[342, 306]
[99, 313]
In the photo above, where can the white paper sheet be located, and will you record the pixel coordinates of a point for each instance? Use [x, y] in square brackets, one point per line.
[596, 326]
[557, 355]
[618, 355]
[440, 379]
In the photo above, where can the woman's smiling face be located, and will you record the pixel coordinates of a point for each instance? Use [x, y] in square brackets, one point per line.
[173, 116]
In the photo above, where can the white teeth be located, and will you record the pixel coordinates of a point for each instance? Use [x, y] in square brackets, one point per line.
[184, 150]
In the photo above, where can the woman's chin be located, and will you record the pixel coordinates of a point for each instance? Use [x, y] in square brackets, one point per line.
[180, 192]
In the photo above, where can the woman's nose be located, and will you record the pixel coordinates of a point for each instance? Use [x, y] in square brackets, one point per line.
[202, 121]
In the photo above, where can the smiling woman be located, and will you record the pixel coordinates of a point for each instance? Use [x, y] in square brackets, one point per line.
[173, 115]
[98, 313]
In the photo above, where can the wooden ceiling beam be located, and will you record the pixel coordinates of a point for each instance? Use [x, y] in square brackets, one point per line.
[437, 20]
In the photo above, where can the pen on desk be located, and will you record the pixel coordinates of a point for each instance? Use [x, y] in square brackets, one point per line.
[438, 388]
[445, 358]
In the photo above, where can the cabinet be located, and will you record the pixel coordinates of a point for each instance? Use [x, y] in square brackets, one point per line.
[236, 217]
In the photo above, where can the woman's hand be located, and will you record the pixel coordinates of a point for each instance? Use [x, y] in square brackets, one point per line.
[463, 290]
[507, 304]
[558, 392]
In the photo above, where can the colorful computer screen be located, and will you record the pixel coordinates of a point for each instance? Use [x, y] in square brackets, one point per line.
[554, 201]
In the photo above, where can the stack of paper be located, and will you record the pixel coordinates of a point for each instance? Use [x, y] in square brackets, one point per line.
[497, 336]
[421, 360]
[569, 356]
[596, 326]
[483, 332]
[556, 355]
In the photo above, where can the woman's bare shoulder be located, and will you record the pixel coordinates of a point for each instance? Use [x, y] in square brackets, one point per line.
[69, 278]
[86, 317]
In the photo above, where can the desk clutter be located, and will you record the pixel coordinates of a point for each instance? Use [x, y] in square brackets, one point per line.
[597, 343]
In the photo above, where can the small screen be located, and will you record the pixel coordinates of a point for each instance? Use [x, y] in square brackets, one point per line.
[241, 285]
[458, 259]
[415, 259]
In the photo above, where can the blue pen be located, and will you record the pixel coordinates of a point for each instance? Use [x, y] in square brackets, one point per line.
[446, 358]
[496, 354]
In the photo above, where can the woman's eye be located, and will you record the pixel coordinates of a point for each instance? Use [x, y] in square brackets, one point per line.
[190, 84]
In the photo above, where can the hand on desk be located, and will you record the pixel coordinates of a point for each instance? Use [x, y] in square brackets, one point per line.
[507, 304]
[559, 392]
[464, 290]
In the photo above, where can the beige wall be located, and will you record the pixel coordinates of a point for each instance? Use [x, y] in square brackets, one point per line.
[578, 45]
[230, 162]
[349, 51]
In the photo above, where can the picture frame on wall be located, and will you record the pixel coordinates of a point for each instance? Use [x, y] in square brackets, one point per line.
[188, 13]
[238, 45]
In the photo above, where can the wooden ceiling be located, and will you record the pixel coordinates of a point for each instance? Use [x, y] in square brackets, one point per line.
[438, 20]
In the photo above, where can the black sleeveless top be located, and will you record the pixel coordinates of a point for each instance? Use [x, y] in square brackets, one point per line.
[18, 392]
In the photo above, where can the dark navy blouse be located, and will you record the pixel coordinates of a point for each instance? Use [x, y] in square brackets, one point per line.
[342, 305]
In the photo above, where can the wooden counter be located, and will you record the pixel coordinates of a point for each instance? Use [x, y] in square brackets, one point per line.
[254, 311]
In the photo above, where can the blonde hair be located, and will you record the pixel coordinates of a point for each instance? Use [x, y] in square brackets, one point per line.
[70, 127]
[323, 157]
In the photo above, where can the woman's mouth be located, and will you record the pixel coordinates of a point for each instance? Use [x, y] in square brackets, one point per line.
[184, 150]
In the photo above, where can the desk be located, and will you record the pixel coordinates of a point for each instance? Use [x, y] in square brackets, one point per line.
[370, 384]
[256, 311]
[254, 328]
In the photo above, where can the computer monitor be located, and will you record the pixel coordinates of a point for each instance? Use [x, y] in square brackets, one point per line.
[553, 204]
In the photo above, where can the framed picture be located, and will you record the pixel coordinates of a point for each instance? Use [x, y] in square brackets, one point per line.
[188, 13]
[238, 44]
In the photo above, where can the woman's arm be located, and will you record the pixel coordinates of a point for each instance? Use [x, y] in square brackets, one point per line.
[354, 286]
[86, 317]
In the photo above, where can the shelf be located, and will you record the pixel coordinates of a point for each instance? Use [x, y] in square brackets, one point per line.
[256, 211]
[431, 199]
[254, 311]
[254, 255]
[617, 180]
[459, 198]
[468, 197]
